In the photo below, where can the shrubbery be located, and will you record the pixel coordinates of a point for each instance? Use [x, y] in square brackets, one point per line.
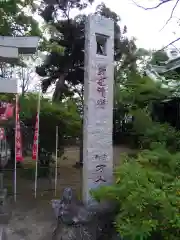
[143, 131]
[163, 134]
[147, 193]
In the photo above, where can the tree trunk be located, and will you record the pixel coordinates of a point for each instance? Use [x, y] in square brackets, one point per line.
[59, 88]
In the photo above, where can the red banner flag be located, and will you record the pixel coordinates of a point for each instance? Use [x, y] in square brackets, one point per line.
[2, 134]
[9, 111]
[36, 136]
[18, 142]
[6, 110]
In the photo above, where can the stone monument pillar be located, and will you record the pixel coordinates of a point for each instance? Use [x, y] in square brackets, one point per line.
[98, 104]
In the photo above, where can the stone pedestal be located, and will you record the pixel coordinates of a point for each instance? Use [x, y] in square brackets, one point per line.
[98, 104]
[77, 221]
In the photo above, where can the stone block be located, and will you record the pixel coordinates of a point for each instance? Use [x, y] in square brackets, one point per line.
[23, 45]
[8, 85]
[8, 54]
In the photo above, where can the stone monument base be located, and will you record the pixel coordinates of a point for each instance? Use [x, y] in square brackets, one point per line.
[77, 221]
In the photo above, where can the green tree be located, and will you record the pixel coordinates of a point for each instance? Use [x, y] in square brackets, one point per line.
[67, 69]
[64, 115]
[171, 78]
[17, 20]
[140, 91]
[134, 95]
[159, 57]
[14, 21]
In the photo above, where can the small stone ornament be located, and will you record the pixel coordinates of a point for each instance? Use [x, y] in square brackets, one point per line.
[75, 221]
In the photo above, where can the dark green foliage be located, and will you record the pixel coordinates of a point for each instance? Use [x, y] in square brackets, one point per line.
[147, 184]
[66, 67]
[14, 22]
[147, 193]
[64, 115]
[159, 58]
[162, 134]
[134, 96]
[169, 78]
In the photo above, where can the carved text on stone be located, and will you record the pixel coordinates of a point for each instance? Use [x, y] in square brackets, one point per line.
[101, 86]
[100, 171]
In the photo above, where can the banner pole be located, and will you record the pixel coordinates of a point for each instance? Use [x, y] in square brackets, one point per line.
[56, 166]
[15, 152]
[37, 146]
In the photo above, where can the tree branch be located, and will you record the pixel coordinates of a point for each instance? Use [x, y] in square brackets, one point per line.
[175, 47]
[150, 8]
[170, 44]
[171, 15]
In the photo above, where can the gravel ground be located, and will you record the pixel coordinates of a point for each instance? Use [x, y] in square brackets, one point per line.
[33, 219]
[30, 222]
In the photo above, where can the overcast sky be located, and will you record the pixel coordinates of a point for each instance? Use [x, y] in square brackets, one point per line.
[145, 25]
